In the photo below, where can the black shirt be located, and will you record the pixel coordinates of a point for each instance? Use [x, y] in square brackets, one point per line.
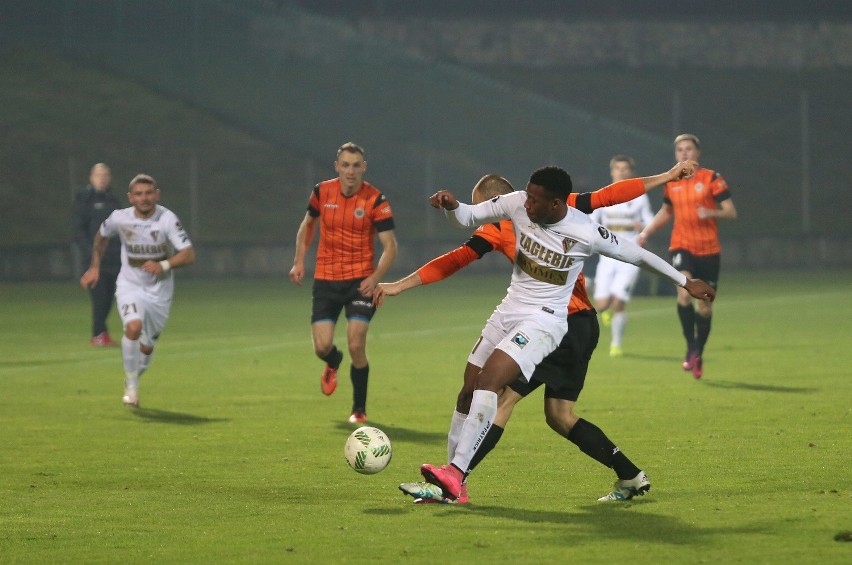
[91, 208]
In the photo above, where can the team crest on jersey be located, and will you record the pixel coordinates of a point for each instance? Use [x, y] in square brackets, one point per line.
[520, 339]
[359, 213]
[128, 235]
[604, 232]
[699, 186]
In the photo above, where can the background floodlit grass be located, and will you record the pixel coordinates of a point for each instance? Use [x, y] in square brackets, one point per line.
[236, 456]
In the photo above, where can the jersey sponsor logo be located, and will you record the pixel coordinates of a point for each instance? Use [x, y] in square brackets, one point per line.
[545, 255]
[359, 213]
[146, 249]
[327, 205]
[541, 272]
[520, 339]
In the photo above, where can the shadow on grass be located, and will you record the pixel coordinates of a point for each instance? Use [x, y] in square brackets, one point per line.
[399, 433]
[612, 521]
[180, 418]
[762, 388]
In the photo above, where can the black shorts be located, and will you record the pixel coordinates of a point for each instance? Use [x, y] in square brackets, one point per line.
[330, 297]
[563, 372]
[704, 267]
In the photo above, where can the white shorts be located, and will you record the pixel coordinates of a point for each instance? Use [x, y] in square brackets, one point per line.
[527, 336]
[153, 311]
[615, 278]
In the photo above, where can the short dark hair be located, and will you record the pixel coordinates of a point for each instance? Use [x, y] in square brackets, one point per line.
[554, 180]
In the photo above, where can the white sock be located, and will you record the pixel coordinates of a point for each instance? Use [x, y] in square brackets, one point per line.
[483, 408]
[131, 355]
[619, 322]
[455, 433]
[144, 362]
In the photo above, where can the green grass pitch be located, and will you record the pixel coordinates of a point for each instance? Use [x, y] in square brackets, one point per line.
[236, 456]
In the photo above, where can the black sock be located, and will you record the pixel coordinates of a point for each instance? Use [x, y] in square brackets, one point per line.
[686, 314]
[489, 442]
[593, 442]
[702, 325]
[333, 357]
[359, 387]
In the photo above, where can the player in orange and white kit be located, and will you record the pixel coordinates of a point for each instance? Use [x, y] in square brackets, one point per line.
[350, 213]
[153, 243]
[696, 203]
[614, 280]
[562, 372]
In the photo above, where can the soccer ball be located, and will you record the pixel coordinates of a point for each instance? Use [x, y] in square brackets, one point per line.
[368, 450]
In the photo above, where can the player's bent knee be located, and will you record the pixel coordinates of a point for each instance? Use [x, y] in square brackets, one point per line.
[133, 329]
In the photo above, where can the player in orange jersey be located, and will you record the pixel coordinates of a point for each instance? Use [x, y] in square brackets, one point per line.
[696, 203]
[562, 372]
[350, 212]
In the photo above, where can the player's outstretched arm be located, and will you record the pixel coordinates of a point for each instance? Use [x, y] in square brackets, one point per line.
[700, 289]
[435, 270]
[680, 171]
[395, 288]
[627, 190]
[444, 199]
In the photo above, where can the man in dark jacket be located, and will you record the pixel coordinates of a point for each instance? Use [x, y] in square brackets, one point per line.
[92, 205]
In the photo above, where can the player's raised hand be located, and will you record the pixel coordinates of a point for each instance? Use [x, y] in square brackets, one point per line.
[682, 170]
[90, 278]
[444, 199]
[700, 289]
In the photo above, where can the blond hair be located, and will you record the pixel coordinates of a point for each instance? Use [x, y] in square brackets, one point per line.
[690, 137]
[143, 179]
